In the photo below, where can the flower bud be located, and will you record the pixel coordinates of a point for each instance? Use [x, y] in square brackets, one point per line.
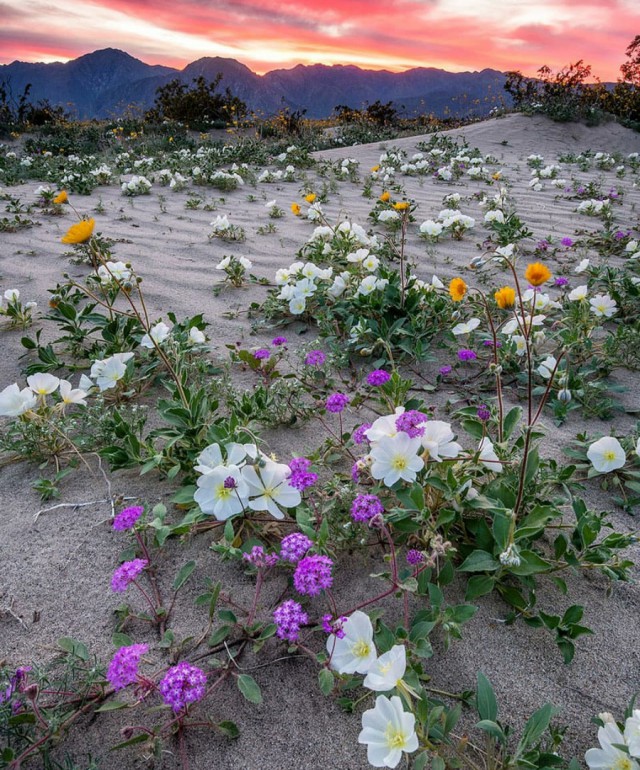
[564, 395]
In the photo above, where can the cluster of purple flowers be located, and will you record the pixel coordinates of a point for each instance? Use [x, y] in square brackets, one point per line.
[294, 546]
[378, 377]
[127, 518]
[126, 573]
[277, 341]
[483, 412]
[415, 557]
[358, 435]
[123, 669]
[542, 245]
[336, 402]
[289, 617]
[444, 370]
[489, 343]
[259, 559]
[466, 355]
[331, 626]
[16, 683]
[412, 423]
[301, 477]
[182, 685]
[315, 358]
[262, 354]
[313, 574]
[561, 281]
[568, 242]
[365, 507]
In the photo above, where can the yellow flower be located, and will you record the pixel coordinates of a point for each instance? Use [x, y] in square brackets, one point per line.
[61, 197]
[80, 232]
[401, 206]
[375, 168]
[505, 297]
[537, 273]
[296, 209]
[457, 289]
[310, 197]
[497, 176]
[386, 196]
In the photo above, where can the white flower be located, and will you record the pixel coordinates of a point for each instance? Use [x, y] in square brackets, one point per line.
[337, 287]
[224, 263]
[609, 757]
[466, 327]
[12, 295]
[222, 492]
[297, 305]
[384, 427]
[431, 228]
[211, 456]
[157, 334]
[14, 402]
[505, 251]
[42, 383]
[387, 670]
[388, 730]
[582, 266]
[71, 395]
[579, 293]
[495, 215]
[388, 216]
[355, 652]
[367, 286]
[270, 488]
[606, 454]
[488, 456]
[437, 440]
[603, 305]
[396, 458]
[114, 271]
[196, 336]
[108, 372]
[547, 367]
[632, 733]
[305, 288]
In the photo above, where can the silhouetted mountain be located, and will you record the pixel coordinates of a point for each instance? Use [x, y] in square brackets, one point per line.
[104, 83]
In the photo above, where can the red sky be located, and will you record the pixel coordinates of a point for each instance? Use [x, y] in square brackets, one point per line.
[377, 34]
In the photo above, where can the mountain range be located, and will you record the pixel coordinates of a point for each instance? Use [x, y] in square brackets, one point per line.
[106, 83]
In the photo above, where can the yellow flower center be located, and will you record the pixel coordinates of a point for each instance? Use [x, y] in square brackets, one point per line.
[395, 738]
[399, 463]
[623, 763]
[222, 492]
[361, 649]
[609, 455]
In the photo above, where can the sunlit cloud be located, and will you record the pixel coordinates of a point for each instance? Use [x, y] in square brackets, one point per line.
[378, 34]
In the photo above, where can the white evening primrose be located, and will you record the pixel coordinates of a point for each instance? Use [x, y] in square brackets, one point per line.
[396, 458]
[222, 492]
[488, 456]
[388, 731]
[42, 383]
[606, 454]
[608, 757]
[387, 671]
[579, 293]
[71, 395]
[602, 305]
[269, 489]
[157, 334]
[14, 402]
[355, 652]
[438, 441]
[466, 327]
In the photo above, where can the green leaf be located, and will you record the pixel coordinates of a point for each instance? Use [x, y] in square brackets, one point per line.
[535, 727]
[132, 742]
[183, 575]
[491, 728]
[121, 640]
[219, 636]
[326, 681]
[113, 705]
[479, 561]
[228, 728]
[249, 688]
[73, 647]
[511, 420]
[486, 703]
[530, 564]
[479, 585]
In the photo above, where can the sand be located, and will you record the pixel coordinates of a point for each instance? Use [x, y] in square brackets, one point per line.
[56, 571]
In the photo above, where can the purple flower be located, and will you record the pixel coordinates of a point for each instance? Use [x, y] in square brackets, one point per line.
[277, 341]
[126, 573]
[331, 626]
[444, 370]
[619, 235]
[301, 477]
[483, 412]
[337, 402]
[561, 281]
[259, 559]
[313, 574]
[315, 358]
[412, 423]
[466, 355]
[123, 669]
[358, 435]
[230, 483]
[414, 557]
[378, 377]
[182, 685]
[568, 242]
[262, 354]
[127, 518]
[489, 344]
[16, 683]
[289, 618]
[355, 472]
[543, 245]
[365, 507]
[294, 546]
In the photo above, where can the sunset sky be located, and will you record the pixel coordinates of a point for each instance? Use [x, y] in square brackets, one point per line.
[376, 34]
